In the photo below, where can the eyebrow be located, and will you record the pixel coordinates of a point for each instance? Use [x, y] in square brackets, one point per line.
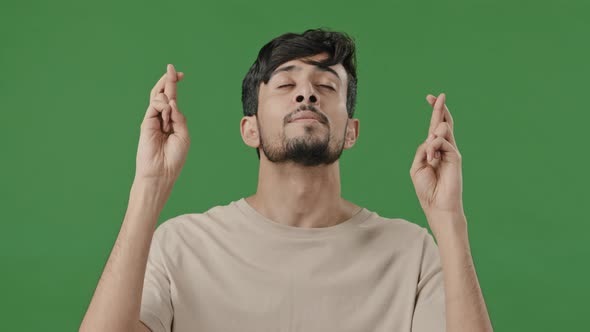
[294, 67]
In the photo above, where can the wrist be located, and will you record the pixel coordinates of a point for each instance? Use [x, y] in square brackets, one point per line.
[152, 182]
[150, 192]
[447, 224]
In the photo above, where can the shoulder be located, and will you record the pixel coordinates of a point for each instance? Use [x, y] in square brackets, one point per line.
[397, 229]
[397, 224]
[189, 224]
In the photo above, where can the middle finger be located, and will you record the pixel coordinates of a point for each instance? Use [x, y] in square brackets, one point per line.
[446, 113]
[159, 86]
[437, 113]
[170, 84]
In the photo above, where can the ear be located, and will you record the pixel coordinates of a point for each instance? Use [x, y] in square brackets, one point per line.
[352, 133]
[249, 131]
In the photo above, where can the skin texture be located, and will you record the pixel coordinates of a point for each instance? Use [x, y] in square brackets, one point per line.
[291, 192]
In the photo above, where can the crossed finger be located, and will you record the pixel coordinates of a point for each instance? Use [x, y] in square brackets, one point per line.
[440, 112]
[167, 83]
[441, 123]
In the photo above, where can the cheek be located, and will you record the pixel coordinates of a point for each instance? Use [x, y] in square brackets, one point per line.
[342, 103]
[271, 119]
[270, 104]
[334, 103]
[340, 126]
[274, 109]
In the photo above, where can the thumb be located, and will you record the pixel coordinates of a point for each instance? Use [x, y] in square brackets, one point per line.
[420, 159]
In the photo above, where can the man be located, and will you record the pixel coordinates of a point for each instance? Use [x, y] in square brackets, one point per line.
[295, 256]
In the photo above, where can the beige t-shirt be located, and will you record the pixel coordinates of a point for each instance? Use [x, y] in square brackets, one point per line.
[232, 269]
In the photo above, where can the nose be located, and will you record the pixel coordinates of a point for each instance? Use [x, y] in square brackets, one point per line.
[307, 93]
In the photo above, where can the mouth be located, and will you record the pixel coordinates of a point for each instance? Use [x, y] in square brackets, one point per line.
[306, 116]
[305, 120]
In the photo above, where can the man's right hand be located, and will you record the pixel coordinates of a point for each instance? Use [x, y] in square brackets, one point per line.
[164, 139]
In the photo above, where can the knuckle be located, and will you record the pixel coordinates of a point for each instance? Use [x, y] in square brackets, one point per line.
[421, 147]
[159, 106]
[161, 97]
[154, 91]
[155, 105]
[152, 107]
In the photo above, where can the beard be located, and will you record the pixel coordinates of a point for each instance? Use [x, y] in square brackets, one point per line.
[307, 150]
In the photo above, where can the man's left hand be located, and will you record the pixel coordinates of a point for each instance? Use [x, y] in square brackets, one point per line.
[436, 169]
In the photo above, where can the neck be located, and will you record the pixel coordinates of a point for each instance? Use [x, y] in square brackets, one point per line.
[300, 196]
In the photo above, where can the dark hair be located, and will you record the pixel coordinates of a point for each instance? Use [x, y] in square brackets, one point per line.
[289, 46]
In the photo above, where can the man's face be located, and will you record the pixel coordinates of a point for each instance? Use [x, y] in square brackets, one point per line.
[297, 89]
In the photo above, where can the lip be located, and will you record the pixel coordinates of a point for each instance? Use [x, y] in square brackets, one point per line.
[305, 115]
[304, 119]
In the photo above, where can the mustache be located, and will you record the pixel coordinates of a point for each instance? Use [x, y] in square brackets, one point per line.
[311, 108]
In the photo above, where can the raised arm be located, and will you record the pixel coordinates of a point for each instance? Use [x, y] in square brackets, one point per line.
[437, 176]
[163, 145]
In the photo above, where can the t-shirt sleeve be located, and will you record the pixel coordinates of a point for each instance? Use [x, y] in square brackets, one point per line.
[429, 309]
[156, 305]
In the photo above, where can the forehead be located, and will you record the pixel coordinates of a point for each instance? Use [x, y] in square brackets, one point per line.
[298, 65]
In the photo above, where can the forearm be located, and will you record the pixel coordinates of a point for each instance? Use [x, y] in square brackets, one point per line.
[115, 305]
[464, 302]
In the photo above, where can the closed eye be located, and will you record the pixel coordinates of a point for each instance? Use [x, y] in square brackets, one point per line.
[322, 85]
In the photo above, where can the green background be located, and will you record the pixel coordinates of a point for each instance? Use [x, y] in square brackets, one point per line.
[75, 84]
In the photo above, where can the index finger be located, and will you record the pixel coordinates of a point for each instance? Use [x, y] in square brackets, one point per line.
[170, 85]
[158, 87]
[437, 113]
